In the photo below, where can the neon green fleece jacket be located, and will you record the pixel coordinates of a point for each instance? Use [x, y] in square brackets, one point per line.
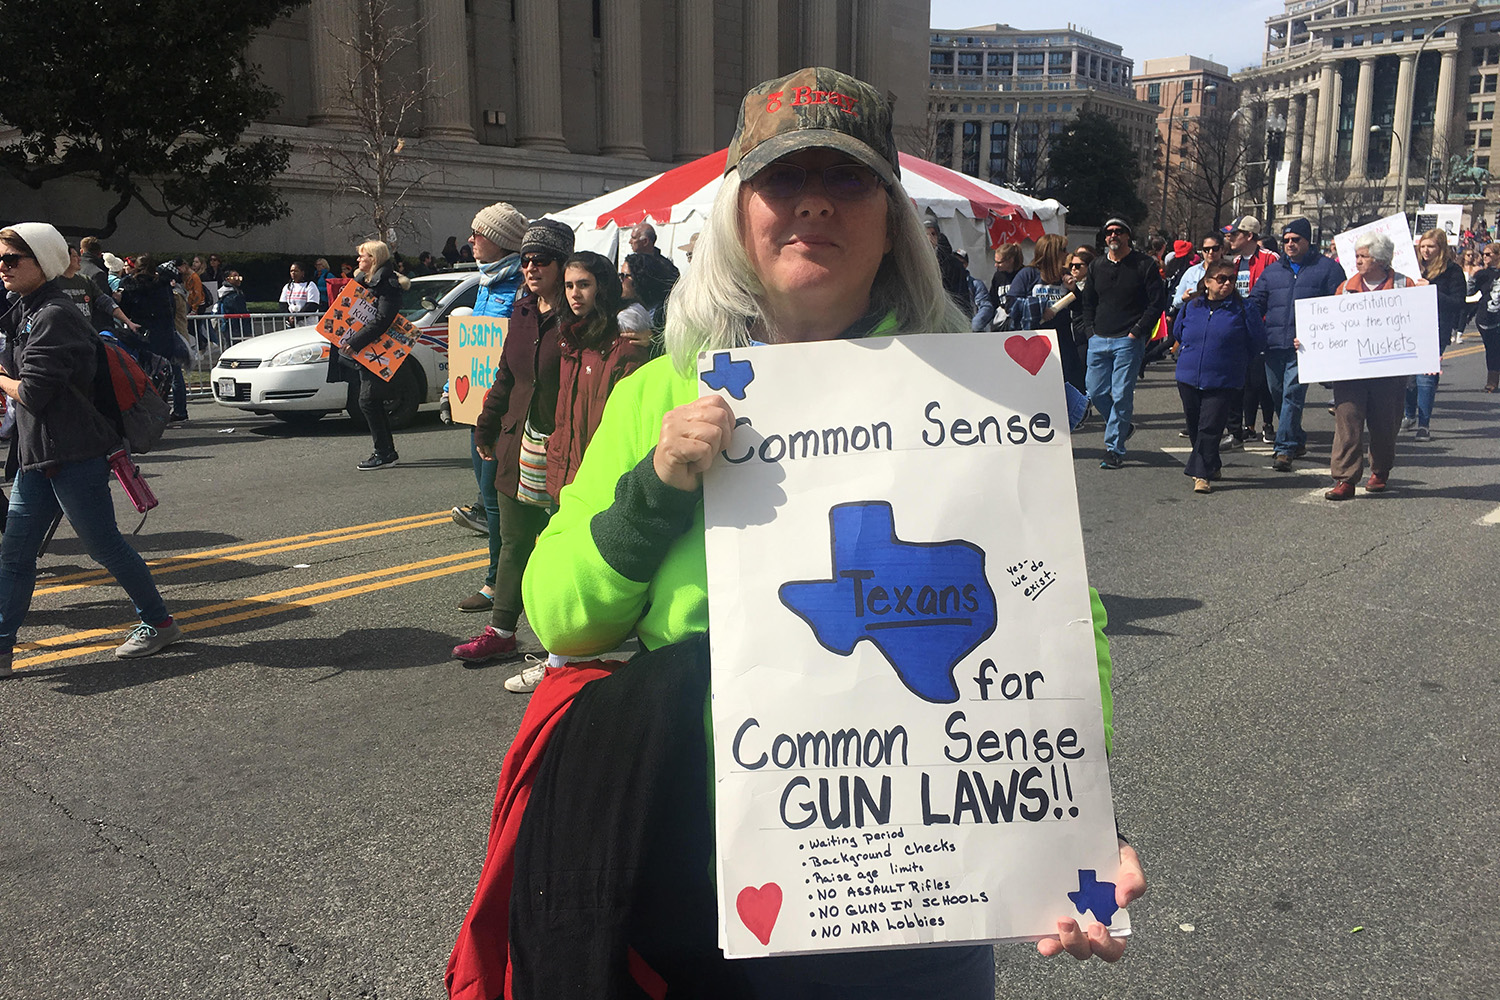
[625, 550]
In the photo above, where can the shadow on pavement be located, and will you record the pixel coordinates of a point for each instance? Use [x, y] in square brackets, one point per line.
[1124, 612]
[180, 541]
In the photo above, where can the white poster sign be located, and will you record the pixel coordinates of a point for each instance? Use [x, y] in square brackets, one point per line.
[908, 739]
[1394, 226]
[1448, 218]
[1368, 335]
[1282, 183]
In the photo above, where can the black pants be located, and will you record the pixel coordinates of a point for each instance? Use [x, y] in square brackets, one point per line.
[1255, 396]
[373, 392]
[1206, 412]
[1491, 348]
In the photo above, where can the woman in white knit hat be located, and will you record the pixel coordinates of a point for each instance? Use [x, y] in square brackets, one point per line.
[62, 441]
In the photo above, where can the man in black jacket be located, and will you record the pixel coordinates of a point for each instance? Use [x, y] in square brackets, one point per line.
[1122, 301]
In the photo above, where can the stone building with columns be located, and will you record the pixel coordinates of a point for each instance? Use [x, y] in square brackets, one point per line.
[996, 94]
[1363, 87]
[542, 103]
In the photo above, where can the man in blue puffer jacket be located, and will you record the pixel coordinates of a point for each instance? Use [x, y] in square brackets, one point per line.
[1302, 273]
[497, 232]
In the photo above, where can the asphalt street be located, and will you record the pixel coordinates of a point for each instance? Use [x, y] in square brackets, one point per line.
[293, 801]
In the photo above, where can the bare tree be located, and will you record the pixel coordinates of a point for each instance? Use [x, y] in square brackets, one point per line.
[1338, 203]
[371, 162]
[1215, 152]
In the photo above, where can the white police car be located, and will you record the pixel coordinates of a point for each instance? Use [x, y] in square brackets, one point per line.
[285, 374]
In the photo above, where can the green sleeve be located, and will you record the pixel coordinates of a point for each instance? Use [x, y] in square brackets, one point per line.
[589, 579]
[1106, 669]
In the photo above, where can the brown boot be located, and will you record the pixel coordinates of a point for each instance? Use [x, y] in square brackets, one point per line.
[1493, 382]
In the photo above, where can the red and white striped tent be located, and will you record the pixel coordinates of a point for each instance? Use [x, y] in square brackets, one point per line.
[971, 213]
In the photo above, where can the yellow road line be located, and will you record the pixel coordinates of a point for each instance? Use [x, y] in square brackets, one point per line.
[176, 564]
[260, 605]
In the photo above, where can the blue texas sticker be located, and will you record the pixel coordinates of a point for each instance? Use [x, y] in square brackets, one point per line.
[729, 375]
[924, 605]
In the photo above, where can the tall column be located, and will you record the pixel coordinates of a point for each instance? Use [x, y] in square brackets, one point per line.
[447, 112]
[695, 79]
[822, 32]
[762, 41]
[1296, 112]
[1310, 130]
[620, 95]
[1327, 112]
[1401, 146]
[1442, 112]
[869, 25]
[331, 28]
[538, 76]
[1359, 151]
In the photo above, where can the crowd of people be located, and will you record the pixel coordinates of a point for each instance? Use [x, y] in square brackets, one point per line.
[588, 456]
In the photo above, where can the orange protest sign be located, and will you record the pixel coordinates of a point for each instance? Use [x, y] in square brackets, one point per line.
[352, 310]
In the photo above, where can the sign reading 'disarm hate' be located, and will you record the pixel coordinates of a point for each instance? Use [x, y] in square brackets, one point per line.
[908, 736]
[474, 344]
[1368, 334]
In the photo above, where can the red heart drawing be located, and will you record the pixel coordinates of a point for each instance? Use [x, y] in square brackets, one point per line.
[461, 387]
[759, 908]
[1029, 352]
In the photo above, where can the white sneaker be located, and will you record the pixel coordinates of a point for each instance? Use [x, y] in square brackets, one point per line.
[530, 676]
[147, 639]
[1407, 423]
[1458, 338]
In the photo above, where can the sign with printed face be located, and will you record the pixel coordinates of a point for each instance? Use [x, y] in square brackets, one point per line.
[354, 307]
[1404, 260]
[1368, 335]
[474, 344]
[908, 737]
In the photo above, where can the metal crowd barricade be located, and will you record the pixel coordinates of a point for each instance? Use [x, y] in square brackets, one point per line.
[211, 333]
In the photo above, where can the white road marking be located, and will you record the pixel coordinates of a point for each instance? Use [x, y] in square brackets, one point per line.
[1493, 517]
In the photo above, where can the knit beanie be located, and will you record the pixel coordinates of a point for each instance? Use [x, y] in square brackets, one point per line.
[549, 236]
[47, 246]
[1301, 227]
[501, 224]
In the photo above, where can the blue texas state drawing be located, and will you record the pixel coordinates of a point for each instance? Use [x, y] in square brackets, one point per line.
[924, 605]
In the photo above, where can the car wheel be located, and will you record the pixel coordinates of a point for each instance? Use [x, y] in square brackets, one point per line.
[299, 418]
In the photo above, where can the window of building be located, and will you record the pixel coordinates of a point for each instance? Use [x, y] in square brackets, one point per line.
[970, 164]
[1153, 93]
[1469, 137]
[1398, 35]
[1010, 109]
[943, 143]
[1475, 82]
[1489, 83]
[1473, 111]
[1357, 41]
[1187, 92]
[1031, 58]
[1051, 109]
[994, 109]
[1212, 98]
[1417, 34]
[968, 108]
[1338, 41]
[1377, 38]
[1484, 138]
[999, 152]
[1483, 162]
[1067, 106]
[1487, 111]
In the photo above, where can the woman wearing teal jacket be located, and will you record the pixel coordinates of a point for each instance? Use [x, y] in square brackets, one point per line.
[811, 237]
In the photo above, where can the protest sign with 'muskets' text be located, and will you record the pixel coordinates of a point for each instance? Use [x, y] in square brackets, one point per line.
[909, 745]
[1368, 334]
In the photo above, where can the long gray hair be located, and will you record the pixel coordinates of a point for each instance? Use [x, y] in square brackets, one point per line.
[712, 305]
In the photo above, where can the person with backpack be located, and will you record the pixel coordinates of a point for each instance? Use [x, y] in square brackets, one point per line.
[62, 441]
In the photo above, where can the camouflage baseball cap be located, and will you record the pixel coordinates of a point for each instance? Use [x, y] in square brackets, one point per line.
[814, 108]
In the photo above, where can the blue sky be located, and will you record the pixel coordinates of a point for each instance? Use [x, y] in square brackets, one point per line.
[1229, 33]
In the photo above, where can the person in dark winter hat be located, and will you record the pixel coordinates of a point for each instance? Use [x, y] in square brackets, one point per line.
[550, 237]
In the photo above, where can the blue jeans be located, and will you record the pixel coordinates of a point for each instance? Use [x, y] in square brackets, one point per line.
[1289, 396]
[179, 391]
[484, 474]
[1114, 364]
[1421, 390]
[81, 491]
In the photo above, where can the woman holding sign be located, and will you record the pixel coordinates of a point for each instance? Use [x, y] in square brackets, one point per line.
[1439, 268]
[376, 274]
[1373, 401]
[811, 238]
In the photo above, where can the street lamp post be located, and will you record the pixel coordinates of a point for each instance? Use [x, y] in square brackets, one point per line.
[1166, 159]
[1400, 148]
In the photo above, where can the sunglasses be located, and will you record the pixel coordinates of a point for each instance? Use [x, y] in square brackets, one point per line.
[13, 259]
[841, 182]
[1291, 239]
[1077, 266]
[1207, 248]
[625, 275]
[537, 260]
